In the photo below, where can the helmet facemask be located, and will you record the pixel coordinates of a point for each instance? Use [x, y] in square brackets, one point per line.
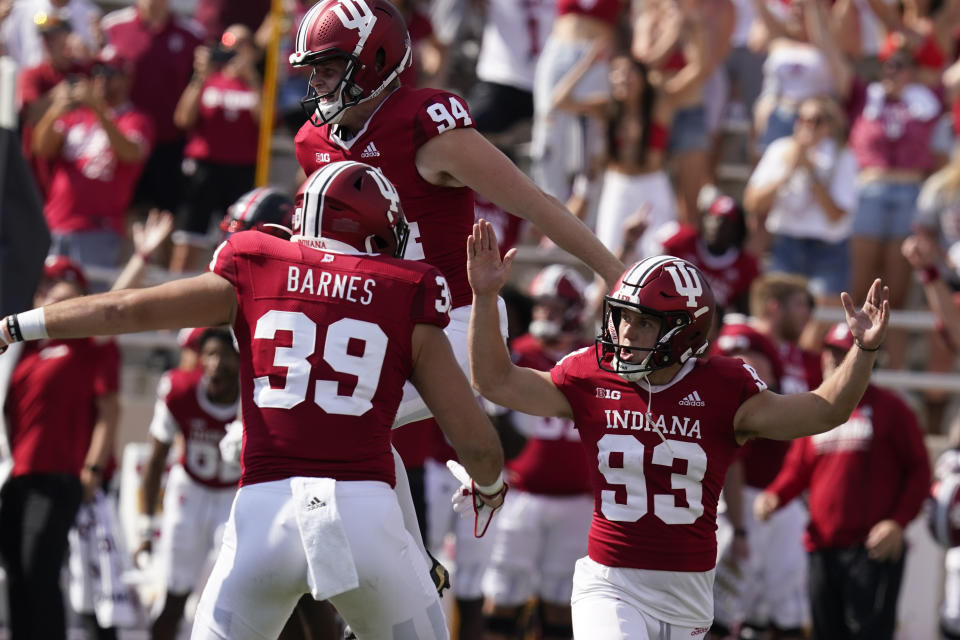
[329, 107]
[608, 348]
[373, 39]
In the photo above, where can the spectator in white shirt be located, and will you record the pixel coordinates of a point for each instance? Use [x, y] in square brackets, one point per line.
[802, 193]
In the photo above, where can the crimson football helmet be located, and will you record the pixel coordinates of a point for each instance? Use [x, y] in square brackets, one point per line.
[265, 209]
[942, 510]
[350, 203]
[562, 284]
[370, 35]
[674, 291]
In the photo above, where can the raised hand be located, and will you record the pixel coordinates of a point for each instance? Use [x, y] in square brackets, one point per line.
[151, 234]
[869, 325]
[485, 270]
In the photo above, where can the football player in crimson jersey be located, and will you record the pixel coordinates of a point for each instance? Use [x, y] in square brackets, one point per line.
[662, 425]
[542, 531]
[198, 403]
[329, 326]
[424, 141]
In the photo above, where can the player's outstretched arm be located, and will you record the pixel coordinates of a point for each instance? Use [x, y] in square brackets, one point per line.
[494, 374]
[834, 400]
[445, 389]
[201, 301]
[465, 157]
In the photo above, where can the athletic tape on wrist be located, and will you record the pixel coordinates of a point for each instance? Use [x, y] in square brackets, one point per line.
[491, 489]
[31, 325]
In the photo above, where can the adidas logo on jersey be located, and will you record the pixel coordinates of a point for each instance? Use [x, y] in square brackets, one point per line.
[370, 151]
[315, 503]
[692, 400]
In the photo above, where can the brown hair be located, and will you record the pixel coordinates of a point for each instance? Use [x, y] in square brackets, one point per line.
[776, 286]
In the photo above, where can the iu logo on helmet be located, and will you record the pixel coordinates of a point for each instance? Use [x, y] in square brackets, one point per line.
[386, 188]
[360, 18]
[686, 280]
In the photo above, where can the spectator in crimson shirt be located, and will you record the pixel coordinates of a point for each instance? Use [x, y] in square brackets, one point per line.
[220, 110]
[65, 57]
[61, 411]
[98, 142]
[867, 480]
[160, 45]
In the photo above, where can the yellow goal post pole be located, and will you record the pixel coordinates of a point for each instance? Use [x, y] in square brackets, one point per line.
[268, 98]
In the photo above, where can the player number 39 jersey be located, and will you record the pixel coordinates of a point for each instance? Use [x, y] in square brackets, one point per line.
[325, 344]
[659, 458]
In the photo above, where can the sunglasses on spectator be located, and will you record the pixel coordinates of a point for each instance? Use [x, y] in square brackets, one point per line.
[815, 120]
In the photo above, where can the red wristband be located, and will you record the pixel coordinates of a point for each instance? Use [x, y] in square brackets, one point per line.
[928, 274]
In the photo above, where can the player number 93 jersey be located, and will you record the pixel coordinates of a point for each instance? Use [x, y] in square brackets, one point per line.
[325, 348]
[657, 477]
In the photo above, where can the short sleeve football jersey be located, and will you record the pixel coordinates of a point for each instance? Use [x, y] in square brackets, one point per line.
[658, 457]
[325, 348]
[440, 218]
[182, 405]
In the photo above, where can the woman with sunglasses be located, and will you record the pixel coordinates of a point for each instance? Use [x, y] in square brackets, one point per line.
[891, 139]
[802, 194]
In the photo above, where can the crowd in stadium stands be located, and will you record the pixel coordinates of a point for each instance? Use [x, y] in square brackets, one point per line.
[842, 118]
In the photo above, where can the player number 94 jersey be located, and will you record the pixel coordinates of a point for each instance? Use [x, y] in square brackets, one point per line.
[658, 458]
[440, 218]
[325, 349]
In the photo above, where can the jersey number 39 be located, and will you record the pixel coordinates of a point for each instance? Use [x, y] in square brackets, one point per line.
[365, 367]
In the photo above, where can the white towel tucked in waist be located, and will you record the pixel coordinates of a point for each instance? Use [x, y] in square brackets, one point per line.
[330, 566]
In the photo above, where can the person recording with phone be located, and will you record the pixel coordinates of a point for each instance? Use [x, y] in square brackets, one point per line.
[97, 142]
[220, 110]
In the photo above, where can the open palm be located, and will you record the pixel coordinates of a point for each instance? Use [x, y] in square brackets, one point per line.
[485, 270]
[868, 325]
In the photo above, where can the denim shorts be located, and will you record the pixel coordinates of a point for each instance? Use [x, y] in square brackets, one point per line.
[885, 210]
[688, 131]
[826, 265]
[779, 125]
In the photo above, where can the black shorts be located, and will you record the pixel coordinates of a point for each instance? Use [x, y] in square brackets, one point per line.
[161, 183]
[497, 107]
[209, 189]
